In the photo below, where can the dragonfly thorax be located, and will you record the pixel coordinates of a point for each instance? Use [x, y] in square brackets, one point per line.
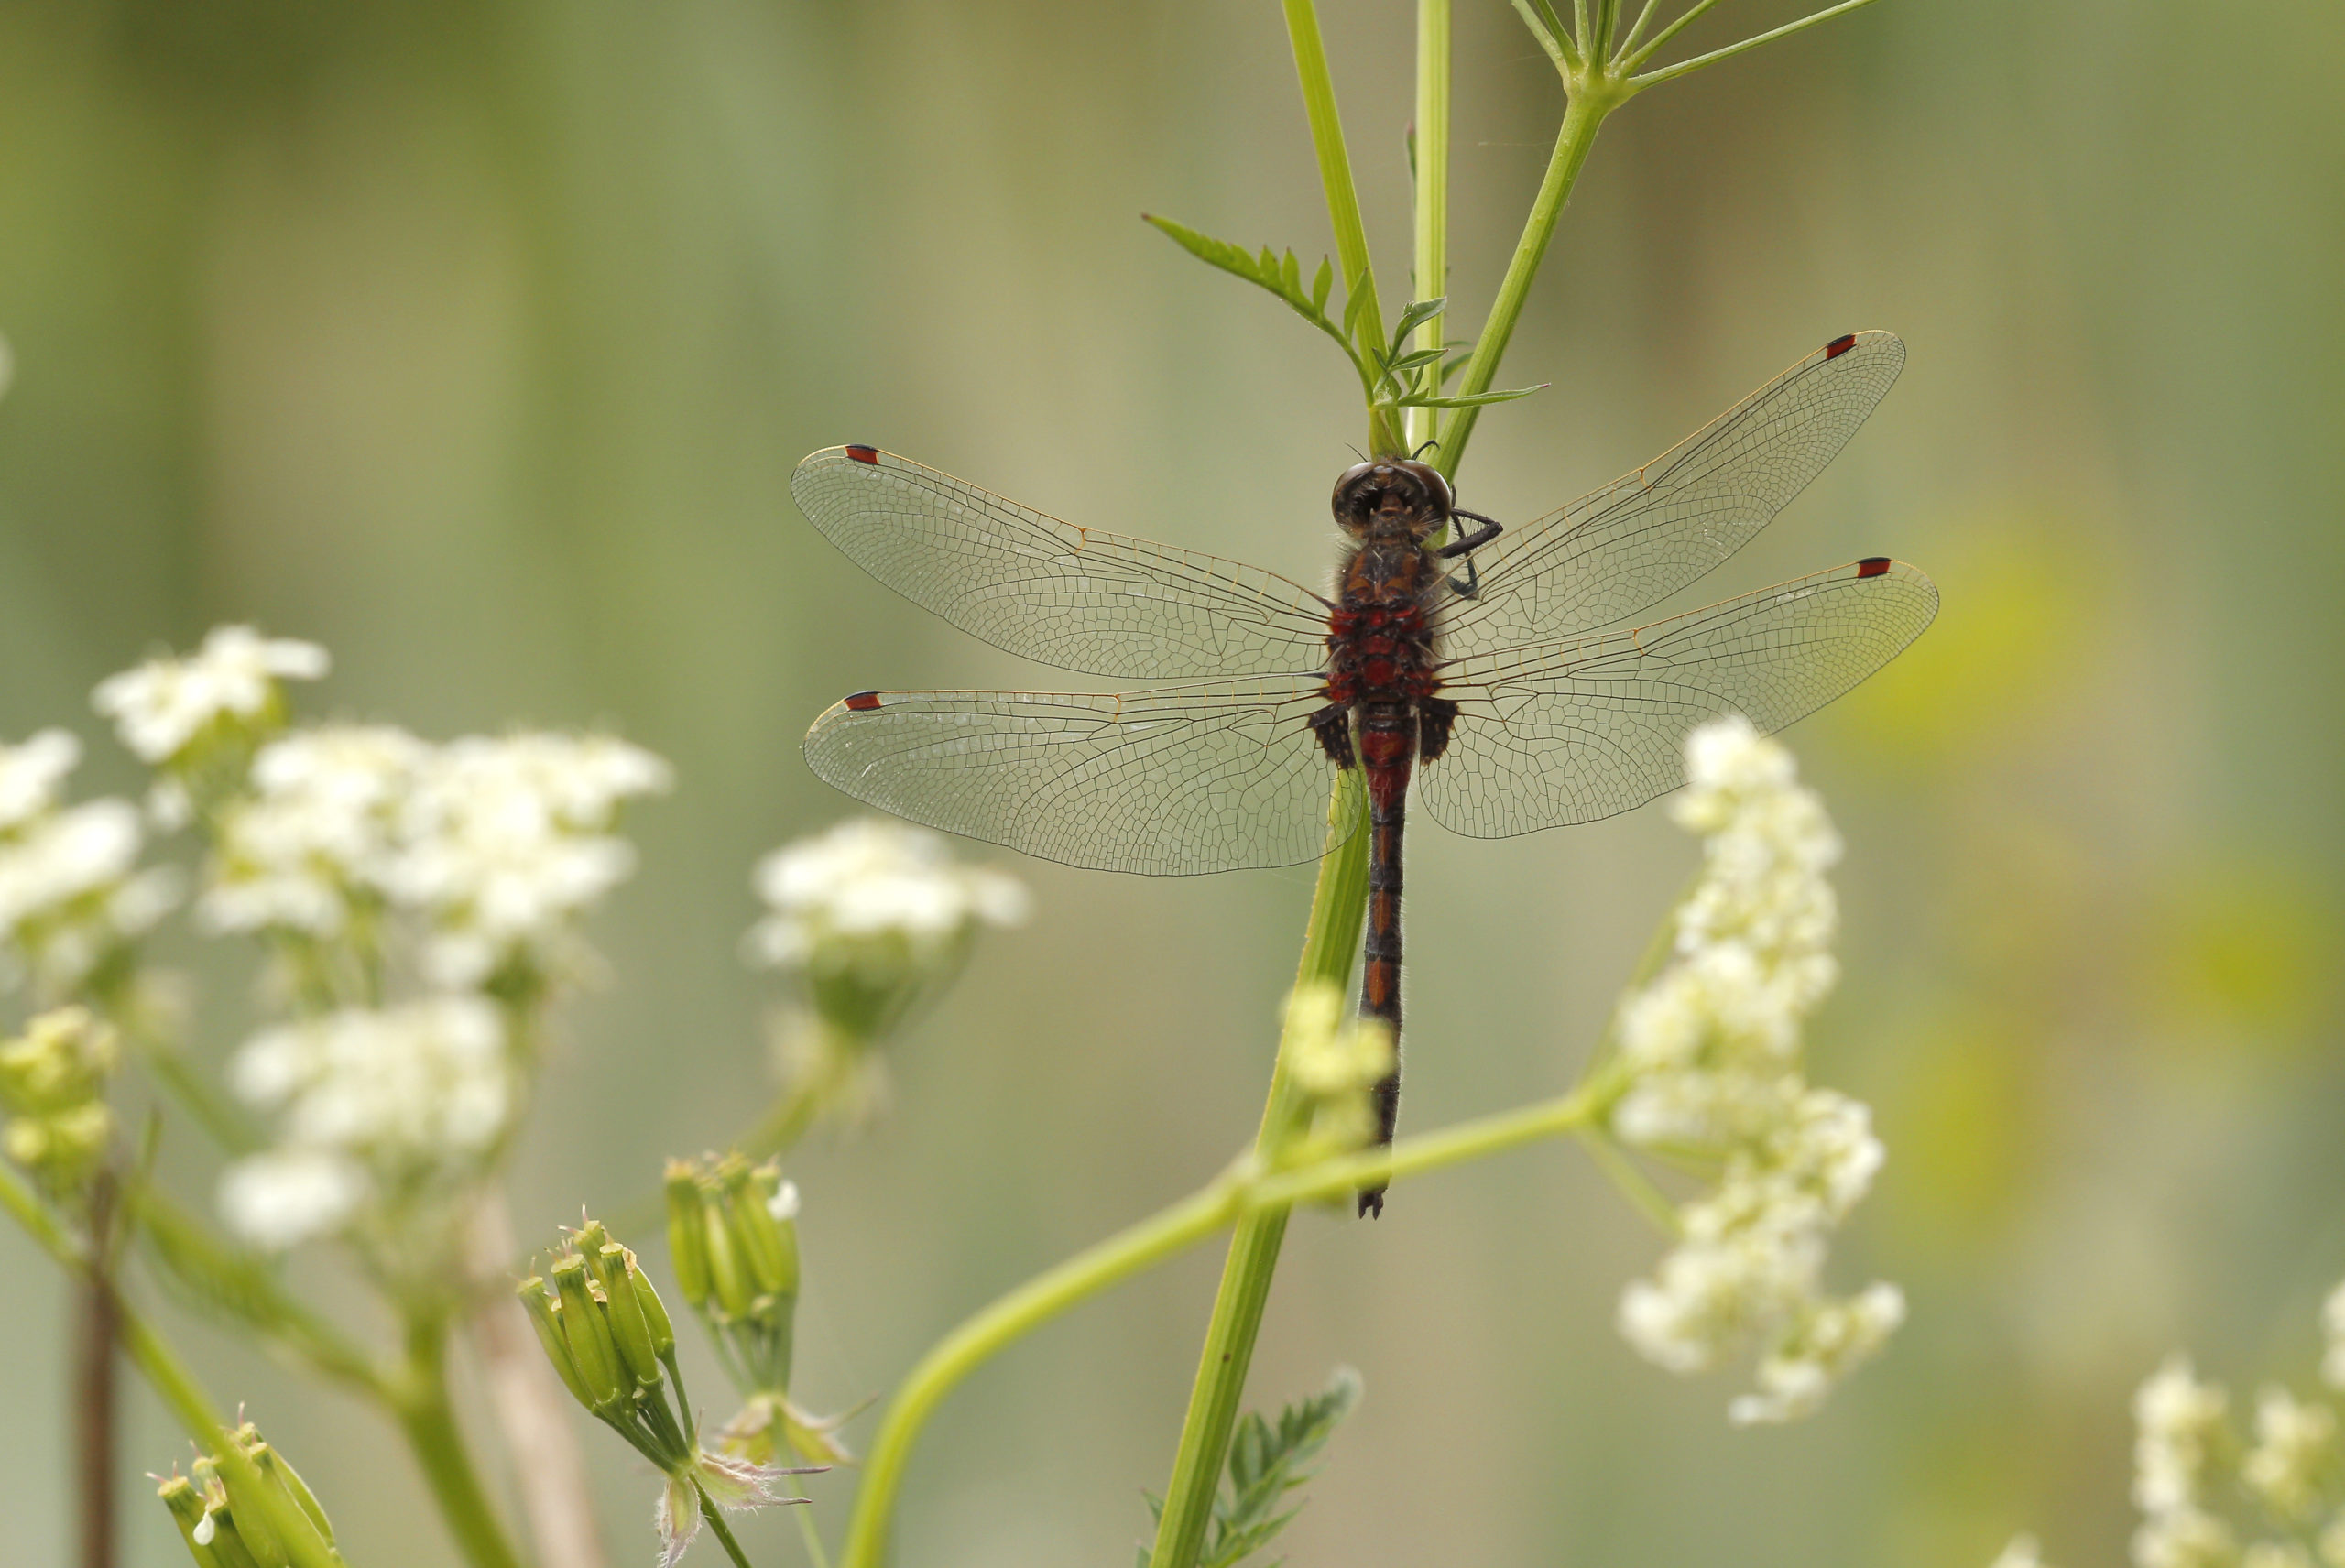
[1394, 497]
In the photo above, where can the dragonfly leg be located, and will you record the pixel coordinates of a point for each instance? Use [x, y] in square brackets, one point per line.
[1435, 717]
[1471, 586]
[1333, 725]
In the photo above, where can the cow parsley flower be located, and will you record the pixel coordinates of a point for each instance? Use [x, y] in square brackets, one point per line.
[374, 1103]
[2295, 1448]
[488, 850]
[505, 843]
[162, 706]
[875, 916]
[874, 884]
[71, 890]
[1709, 1054]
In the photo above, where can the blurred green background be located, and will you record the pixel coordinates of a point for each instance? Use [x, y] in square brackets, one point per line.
[476, 341]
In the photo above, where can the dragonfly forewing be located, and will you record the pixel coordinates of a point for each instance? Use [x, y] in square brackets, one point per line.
[1623, 549]
[1096, 603]
[1174, 782]
[1587, 729]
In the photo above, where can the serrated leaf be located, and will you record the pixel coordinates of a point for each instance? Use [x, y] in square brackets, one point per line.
[1291, 277]
[1267, 1463]
[1475, 401]
[1411, 360]
[1416, 316]
[1321, 282]
[1353, 307]
[1230, 258]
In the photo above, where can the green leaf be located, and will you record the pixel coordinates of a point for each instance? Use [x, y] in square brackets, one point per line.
[1230, 258]
[1475, 401]
[1453, 367]
[1411, 361]
[1321, 283]
[1416, 316]
[1267, 1462]
[1353, 306]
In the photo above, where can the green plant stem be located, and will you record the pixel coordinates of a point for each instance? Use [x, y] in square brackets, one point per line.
[1036, 1301]
[1684, 66]
[1430, 255]
[429, 1421]
[1593, 96]
[170, 1379]
[715, 1517]
[1338, 909]
[1343, 197]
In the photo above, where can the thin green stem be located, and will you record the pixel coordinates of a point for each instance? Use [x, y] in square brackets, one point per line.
[813, 1536]
[1592, 98]
[227, 1124]
[715, 1516]
[170, 1379]
[1338, 909]
[1040, 1299]
[1683, 66]
[1642, 1195]
[1432, 250]
[1692, 14]
[1343, 197]
[429, 1421]
[1637, 28]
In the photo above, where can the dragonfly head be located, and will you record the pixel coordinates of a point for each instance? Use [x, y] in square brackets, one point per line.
[1394, 495]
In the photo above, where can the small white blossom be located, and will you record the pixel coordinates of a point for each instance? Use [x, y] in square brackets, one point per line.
[505, 843]
[873, 880]
[2178, 1420]
[164, 704]
[319, 833]
[2275, 1554]
[783, 1204]
[2293, 1451]
[276, 1199]
[2023, 1553]
[372, 1102]
[30, 775]
[1711, 1054]
[2188, 1536]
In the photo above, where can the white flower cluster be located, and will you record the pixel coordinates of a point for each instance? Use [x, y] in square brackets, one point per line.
[71, 890]
[490, 848]
[874, 884]
[1711, 1054]
[165, 703]
[377, 1105]
[2185, 1453]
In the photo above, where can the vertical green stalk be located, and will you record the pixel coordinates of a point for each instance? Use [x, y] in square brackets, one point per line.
[428, 1419]
[1593, 96]
[1430, 255]
[1338, 909]
[1343, 197]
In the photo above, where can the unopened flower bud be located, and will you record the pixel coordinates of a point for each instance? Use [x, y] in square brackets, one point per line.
[188, 1512]
[542, 1310]
[728, 1272]
[629, 1331]
[587, 1334]
[772, 1259]
[655, 1311]
[687, 1243]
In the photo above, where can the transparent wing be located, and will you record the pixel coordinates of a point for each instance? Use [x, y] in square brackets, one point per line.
[1648, 533]
[1101, 604]
[1170, 782]
[1580, 730]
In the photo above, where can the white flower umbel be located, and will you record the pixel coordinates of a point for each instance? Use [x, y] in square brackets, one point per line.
[375, 1105]
[505, 843]
[874, 882]
[2179, 1423]
[161, 707]
[1710, 1054]
[488, 851]
[2023, 1553]
[71, 890]
[2295, 1451]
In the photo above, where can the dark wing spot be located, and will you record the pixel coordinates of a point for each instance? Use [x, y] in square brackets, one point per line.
[1832, 350]
[864, 702]
[864, 453]
[1871, 566]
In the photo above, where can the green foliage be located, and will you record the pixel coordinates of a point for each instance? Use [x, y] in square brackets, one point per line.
[1390, 378]
[1266, 1462]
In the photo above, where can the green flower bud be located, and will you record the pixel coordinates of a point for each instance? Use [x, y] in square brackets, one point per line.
[729, 1273]
[179, 1495]
[756, 1235]
[587, 1334]
[629, 1330]
[541, 1309]
[655, 1311]
[227, 1546]
[687, 1243]
[299, 1503]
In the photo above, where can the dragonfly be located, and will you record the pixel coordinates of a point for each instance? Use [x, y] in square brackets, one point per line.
[1513, 694]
